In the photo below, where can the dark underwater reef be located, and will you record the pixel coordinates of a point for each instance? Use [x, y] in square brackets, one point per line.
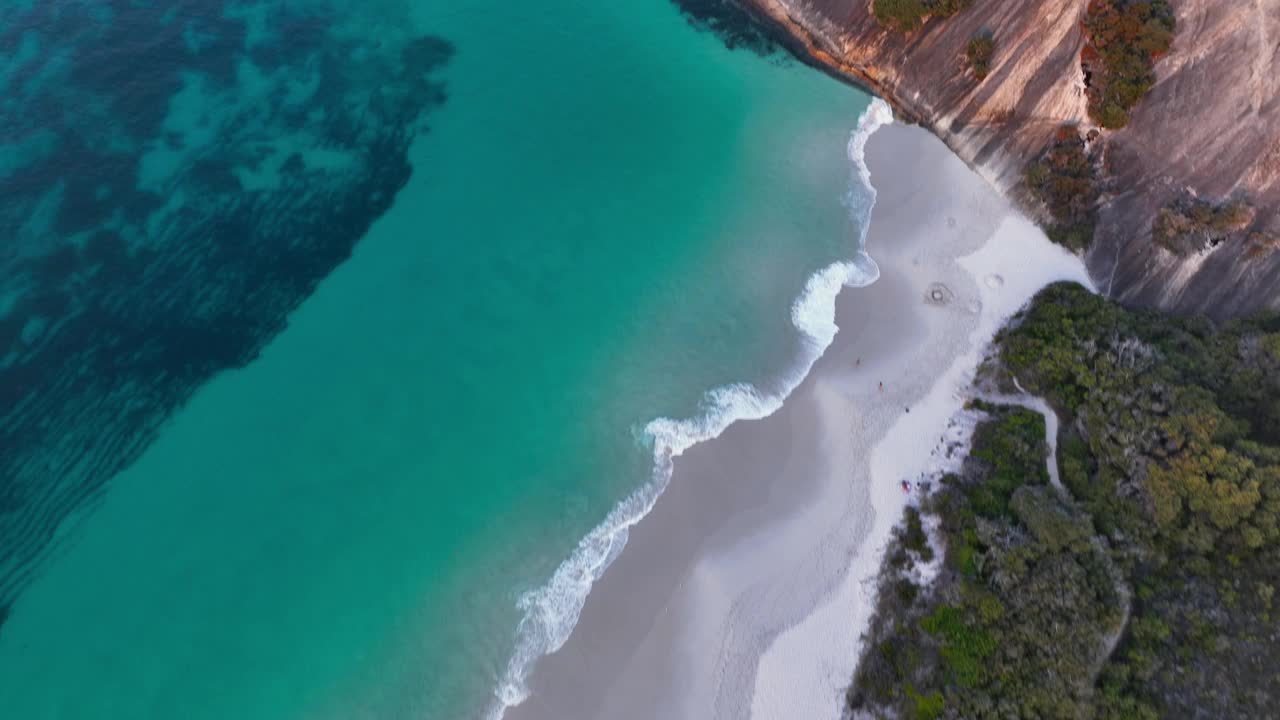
[164, 211]
[738, 28]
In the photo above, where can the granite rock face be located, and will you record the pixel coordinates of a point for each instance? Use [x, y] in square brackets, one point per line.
[1210, 127]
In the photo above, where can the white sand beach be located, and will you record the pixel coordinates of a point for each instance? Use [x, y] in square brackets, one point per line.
[744, 592]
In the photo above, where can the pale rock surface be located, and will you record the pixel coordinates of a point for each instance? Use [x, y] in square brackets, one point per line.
[1211, 126]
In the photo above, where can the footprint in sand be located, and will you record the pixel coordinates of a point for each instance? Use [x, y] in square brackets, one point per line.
[995, 281]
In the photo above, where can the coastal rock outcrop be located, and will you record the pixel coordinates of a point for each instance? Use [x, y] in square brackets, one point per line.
[1210, 127]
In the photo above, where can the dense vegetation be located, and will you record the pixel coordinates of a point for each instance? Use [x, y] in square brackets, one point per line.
[1024, 604]
[1189, 225]
[979, 52]
[1064, 179]
[1145, 587]
[1124, 39]
[908, 15]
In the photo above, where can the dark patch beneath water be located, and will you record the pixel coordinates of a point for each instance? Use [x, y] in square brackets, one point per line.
[737, 27]
[162, 218]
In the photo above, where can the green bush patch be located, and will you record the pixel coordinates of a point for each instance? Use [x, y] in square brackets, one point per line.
[1123, 40]
[909, 15]
[979, 53]
[1064, 179]
[1189, 225]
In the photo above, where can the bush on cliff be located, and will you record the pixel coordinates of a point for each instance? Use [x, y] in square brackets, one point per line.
[1123, 40]
[1189, 225]
[908, 15]
[979, 52]
[1261, 243]
[1063, 178]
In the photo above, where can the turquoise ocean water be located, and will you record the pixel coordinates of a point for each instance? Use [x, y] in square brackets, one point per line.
[357, 515]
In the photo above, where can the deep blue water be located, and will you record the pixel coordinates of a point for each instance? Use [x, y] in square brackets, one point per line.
[329, 330]
[138, 263]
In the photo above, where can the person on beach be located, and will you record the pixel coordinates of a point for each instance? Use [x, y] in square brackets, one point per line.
[881, 386]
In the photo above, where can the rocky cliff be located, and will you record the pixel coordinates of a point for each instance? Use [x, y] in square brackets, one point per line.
[1209, 128]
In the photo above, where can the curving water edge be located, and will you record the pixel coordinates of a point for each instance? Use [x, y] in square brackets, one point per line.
[550, 612]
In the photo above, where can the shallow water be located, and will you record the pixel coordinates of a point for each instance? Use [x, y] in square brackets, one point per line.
[564, 219]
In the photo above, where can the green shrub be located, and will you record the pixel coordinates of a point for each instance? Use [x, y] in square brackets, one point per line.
[964, 644]
[1014, 449]
[1124, 39]
[900, 15]
[914, 537]
[979, 52]
[1063, 178]
[1261, 244]
[908, 15]
[1188, 225]
[927, 707]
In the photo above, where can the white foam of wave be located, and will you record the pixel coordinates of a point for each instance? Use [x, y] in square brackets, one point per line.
[551, 611]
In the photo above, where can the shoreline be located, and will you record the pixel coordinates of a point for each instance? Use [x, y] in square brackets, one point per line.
[733, 595]
[542, 631]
